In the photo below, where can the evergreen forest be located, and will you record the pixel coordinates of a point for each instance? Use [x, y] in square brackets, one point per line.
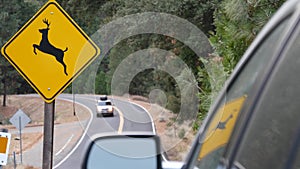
[229, 25]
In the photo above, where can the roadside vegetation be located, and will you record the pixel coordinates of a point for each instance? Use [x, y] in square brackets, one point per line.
[230, 25]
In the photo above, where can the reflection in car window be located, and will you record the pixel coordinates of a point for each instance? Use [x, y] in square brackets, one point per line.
[236, 95]
[274, 126]
[106, 103]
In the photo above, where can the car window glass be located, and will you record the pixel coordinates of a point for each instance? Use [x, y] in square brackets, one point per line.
[223, 122]
[101, 103]
[274, 125]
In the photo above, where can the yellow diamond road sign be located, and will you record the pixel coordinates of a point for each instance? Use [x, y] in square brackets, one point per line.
[50, 50]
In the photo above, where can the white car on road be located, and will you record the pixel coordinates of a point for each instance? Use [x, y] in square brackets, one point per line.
[104, 108]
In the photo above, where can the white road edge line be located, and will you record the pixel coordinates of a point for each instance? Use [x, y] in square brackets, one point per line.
[79, 142]
[152, 121]
[153, 125]
[68, 142]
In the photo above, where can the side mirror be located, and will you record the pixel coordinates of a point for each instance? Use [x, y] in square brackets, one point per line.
[123, 151]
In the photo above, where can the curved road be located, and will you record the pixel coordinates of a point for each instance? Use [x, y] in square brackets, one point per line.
[128, 117]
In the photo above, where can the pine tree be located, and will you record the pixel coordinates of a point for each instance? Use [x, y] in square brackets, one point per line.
[13, 15]
[237, 23]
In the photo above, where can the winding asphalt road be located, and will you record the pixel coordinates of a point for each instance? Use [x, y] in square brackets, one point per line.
[128, 117]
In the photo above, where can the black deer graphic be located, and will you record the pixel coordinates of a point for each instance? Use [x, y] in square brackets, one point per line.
[46, 47]
[222, 125]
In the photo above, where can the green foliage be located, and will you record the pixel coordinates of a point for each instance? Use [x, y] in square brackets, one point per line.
[212, 77]
[198, 12]
[90, 16]
[181, 133]
[237, 24]
[85, 13]
[232, 27]
[100, 86]
[13, 15]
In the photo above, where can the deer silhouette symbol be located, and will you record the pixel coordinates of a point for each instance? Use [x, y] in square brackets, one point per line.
[46, 47]
[222, 125]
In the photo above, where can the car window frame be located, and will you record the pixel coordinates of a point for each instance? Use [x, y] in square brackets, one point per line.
[268, 86]
[253, 100]
[294, 152]
[226, 160]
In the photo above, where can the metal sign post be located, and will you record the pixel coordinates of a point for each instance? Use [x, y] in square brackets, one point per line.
[74, 112]
[20, 120]
[20, 132]
[48, 135]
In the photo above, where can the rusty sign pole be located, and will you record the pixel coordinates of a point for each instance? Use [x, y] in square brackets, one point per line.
[48, 135]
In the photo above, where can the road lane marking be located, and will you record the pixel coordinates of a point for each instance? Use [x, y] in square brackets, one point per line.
[84, 133]
[121, 124]
[66, 144]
